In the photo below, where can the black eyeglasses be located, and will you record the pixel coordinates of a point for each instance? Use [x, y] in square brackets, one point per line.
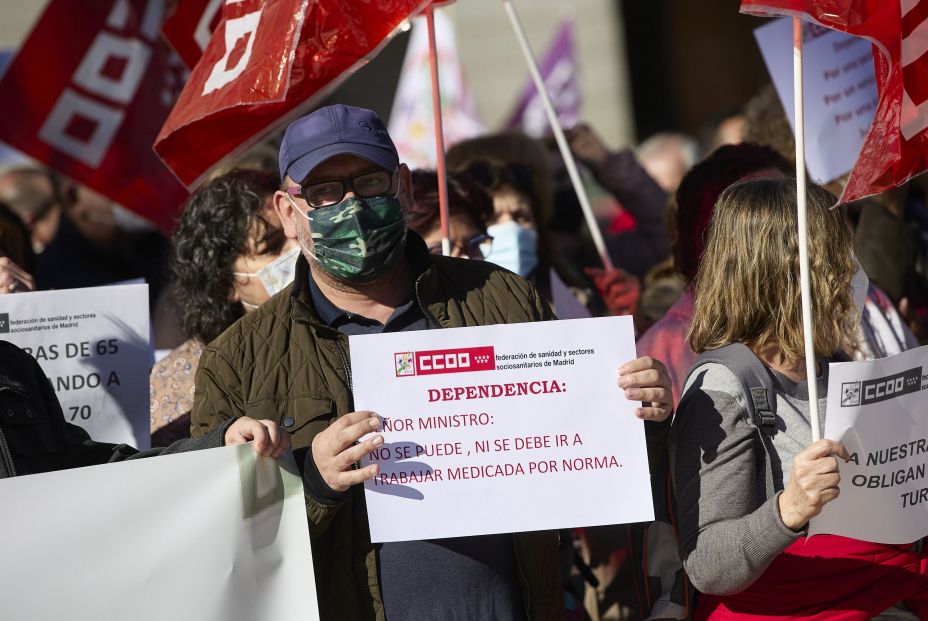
[477, 247]
[325, 193]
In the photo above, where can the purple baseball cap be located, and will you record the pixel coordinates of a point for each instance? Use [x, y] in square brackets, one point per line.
[335, 130]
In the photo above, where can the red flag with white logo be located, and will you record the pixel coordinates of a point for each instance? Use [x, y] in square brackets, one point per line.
[86, 95]
[189, 27]
[267, 62]
[896, 147]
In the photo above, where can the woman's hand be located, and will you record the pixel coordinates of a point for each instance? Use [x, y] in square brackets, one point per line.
[645, 379]
[13, 278]
[812, 484]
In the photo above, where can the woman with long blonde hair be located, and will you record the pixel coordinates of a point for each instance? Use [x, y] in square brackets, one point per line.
[745, 496]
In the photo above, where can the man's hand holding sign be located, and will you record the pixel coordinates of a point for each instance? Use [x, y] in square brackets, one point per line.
[645, 379]
[337, 449]
[267, 438]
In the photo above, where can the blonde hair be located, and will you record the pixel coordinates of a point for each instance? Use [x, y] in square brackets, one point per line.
[747, 285]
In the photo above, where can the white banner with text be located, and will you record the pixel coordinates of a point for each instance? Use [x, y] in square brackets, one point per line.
[502, 428]
[839, 91]
[879, 411]
[94, 346]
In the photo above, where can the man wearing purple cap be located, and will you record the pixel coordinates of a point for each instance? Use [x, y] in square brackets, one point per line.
[343, 198]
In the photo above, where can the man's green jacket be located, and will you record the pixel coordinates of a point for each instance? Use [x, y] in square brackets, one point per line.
[282, 363]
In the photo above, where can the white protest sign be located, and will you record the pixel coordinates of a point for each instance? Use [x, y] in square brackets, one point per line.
[839, 91]
[879, 411]
[94, 346]
[502, 428]
[210, 535]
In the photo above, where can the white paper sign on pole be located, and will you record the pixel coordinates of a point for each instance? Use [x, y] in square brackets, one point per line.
[94, 346]
[502, 428]
[879, 411]
[215, 535]
[839, 91]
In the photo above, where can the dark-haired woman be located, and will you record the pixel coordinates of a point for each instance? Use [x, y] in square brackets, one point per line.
[228, 256]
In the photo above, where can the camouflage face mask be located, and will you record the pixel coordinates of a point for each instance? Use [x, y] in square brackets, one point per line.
[358, 240]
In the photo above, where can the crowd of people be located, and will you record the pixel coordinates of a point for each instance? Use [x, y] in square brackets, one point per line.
[270, 269]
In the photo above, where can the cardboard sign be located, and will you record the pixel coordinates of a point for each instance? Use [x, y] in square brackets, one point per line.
[217, 535]
[839, 91]
[93, 344]
[879, 411]
[503, 428]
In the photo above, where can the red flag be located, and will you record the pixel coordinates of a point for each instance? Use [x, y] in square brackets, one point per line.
[189, 27]
[88, 91]
[267, 62]
[896, 147]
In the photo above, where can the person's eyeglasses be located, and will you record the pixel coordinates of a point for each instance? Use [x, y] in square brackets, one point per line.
[325, 193]
[477, 247]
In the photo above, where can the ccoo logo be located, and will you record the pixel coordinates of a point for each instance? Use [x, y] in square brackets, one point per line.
[438, 361]
[881, 389]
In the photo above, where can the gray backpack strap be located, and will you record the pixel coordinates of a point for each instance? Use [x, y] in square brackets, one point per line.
[757, 384]
[755, 379]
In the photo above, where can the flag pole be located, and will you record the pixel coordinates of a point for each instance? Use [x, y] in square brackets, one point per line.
[439, 136]
[558, 134]
[804, 276]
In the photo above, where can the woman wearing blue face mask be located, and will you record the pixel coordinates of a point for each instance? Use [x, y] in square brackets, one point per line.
[228, 256]
[516, 248]
[512, 223]
[520, 239]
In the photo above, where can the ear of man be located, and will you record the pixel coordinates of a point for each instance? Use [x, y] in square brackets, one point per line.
[404, 192]
[283, 205]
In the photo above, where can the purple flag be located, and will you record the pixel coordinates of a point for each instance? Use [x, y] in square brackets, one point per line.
[559, 70]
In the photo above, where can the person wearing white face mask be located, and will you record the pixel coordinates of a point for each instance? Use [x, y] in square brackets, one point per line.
[228, 256]
[273, 276]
